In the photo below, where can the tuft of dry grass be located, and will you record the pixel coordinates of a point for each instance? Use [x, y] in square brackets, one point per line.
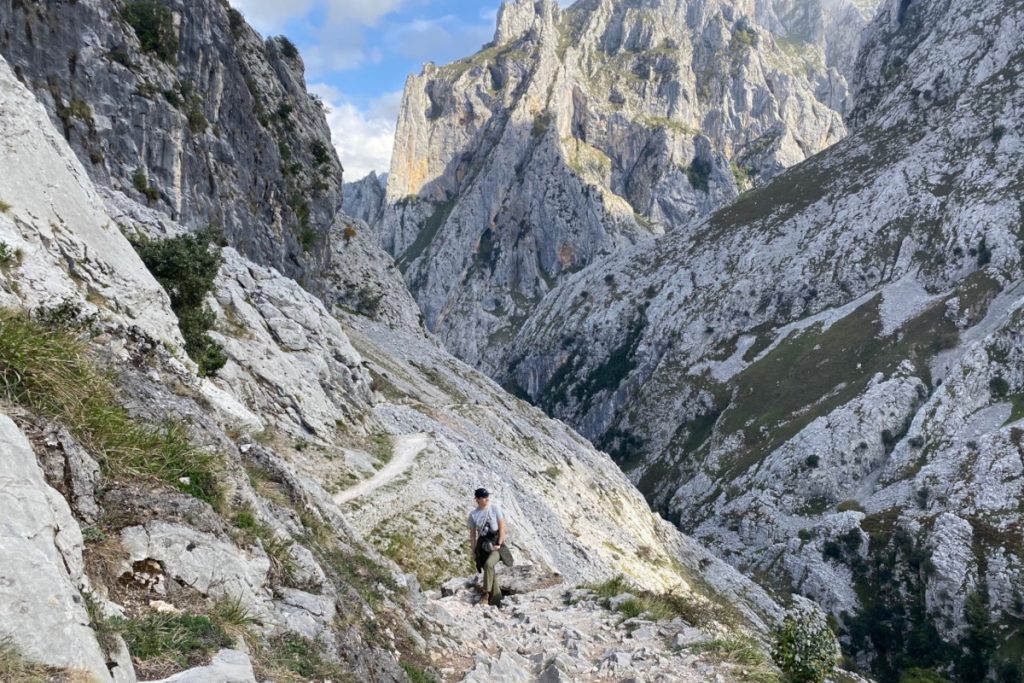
[51, 372]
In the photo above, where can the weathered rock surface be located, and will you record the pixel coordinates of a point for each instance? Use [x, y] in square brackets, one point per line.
[208, 123]
[579, 132]
[228, 666]
[820, 378]
[364, 199]
[58, 241]
[42, 576]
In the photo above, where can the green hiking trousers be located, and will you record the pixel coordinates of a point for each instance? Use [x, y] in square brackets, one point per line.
[491, 577]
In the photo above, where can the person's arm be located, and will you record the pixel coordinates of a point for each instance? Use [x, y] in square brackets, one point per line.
[501, 531]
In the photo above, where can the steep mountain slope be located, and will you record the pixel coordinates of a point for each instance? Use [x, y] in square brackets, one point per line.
[579, 132]
[183, 107]
[821, 379]
[152, 519]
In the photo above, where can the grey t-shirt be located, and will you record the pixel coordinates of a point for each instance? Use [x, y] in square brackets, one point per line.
[480, 519]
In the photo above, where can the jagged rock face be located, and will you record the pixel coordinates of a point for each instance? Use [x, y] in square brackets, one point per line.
[199, 118]
[824, 370]
[57, 237]
[579, 132]
[364, 199]
[41, 566]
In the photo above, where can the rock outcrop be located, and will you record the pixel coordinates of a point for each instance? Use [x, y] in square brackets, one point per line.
[364, 199]
[182, 106]
[42, 575]
[579, 132]
[820, 380]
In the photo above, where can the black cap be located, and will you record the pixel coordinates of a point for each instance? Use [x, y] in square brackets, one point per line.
[481, 493]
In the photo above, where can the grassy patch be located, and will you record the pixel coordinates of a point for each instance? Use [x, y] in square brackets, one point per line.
[813, 371]
[659, 606]
[250, 530]
[382, 447]
[1017, 413]
[426, 235]
[291, 658]
[4, 206]
[615, 368]
[51, 372]
[751, 663]
[182, 639]
[361, 572]
[14, 667]
[416, 674]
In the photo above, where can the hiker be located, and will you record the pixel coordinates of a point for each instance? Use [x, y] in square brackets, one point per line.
[487, 543]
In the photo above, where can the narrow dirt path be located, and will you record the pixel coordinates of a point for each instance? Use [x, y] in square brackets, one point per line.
[407, 447]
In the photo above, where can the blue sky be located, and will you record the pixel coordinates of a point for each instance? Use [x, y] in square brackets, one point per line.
[359, 52]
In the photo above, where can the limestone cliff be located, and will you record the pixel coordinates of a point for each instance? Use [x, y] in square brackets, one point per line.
[579, 132]
[820, 379]
[183, 107]
[275, 522]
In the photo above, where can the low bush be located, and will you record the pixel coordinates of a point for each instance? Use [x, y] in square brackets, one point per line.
[321, 153]
[141, 183]
[186, 267]
[288, 49]
[51, 372]
[806, 651]
[154, 27]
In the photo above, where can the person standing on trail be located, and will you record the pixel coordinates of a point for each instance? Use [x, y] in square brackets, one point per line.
[487, 542]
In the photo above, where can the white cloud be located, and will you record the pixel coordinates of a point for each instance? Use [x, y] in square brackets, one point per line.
[270, 16]
[363, 137]
[440, 39]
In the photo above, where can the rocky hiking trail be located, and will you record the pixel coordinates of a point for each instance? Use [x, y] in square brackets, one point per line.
[406, 449]
[557, 633]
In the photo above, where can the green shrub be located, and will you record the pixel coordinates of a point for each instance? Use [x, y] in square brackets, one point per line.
[7, 255]
[186, 267]
[184, 639]
[197, 122]
[4, 206]
[236, 21]
[321, 153]
[154, 27]
[51, 372]
[743, 37]
[141, 183]
[999, 387]
[288, 49]
[806, 651]
[699, 173]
